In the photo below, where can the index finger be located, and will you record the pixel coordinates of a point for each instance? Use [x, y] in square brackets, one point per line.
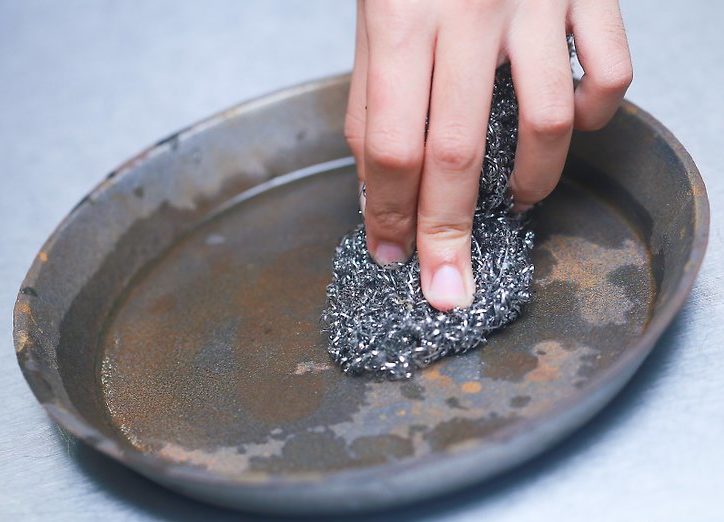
[398, 83]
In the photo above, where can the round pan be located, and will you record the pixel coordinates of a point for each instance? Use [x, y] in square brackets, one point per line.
[171, 321]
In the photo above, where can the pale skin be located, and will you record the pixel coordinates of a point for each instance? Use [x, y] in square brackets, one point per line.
[438, 57]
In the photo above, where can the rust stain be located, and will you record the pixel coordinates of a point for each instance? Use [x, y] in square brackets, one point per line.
[472, 387]
[22, 307]
[226, 460]
[549, 365]
[588, 266]
[191, 356]
[433, 375]
[22, 340]
[283, 393]
[543, 373]
[508, 365]
[219, 345]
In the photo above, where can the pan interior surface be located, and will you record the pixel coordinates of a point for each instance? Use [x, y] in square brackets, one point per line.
[213, 355]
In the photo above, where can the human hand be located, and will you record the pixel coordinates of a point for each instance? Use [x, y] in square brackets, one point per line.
[439, 57]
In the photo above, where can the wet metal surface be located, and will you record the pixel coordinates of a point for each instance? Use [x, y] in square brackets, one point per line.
[172, 320]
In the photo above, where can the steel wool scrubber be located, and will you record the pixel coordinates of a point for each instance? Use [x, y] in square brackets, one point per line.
[377, 318]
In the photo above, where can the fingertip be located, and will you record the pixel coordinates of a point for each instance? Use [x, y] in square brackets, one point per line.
[386, 253]
[446, 272]
[449, 287]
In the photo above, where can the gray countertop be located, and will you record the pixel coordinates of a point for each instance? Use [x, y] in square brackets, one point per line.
[85, 85]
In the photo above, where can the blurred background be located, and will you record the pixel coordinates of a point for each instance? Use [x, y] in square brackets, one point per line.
[86, 84]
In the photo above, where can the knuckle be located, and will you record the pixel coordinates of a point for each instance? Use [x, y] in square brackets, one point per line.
[454, 151]
[447, 231]
[616, 78]
[389, 221]
[390, 152]
[550, 120]
[398, 19]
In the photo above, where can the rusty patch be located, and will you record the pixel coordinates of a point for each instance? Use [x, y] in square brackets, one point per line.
[215, 356]
[601, 298]
[22, 340]
[471, 387]
[512, 365]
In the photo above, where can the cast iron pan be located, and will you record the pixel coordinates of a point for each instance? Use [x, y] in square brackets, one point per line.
[172, 320]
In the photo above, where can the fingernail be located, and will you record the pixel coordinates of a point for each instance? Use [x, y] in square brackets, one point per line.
[447, 289]
[389, 253]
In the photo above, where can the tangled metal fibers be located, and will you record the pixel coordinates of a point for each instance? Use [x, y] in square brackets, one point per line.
[377, 319]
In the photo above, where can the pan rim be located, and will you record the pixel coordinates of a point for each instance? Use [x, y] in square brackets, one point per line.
[592, 398]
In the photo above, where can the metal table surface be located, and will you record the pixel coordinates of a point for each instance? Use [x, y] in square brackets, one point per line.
[86, 84]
